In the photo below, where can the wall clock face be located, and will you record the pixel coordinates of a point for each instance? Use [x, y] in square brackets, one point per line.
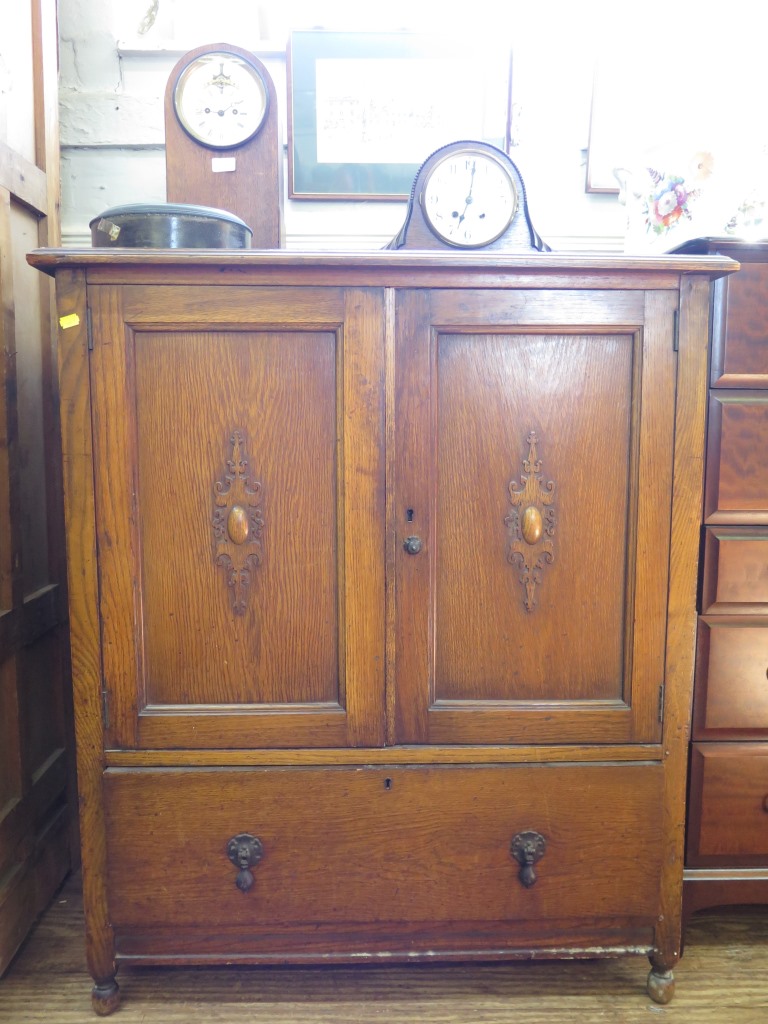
[220, 99]
[469, 198]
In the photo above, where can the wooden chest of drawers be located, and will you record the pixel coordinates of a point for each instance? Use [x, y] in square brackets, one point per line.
[727, 846]
[382, 575]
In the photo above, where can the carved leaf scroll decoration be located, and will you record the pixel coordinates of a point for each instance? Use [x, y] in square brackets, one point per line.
[531, 523]
[238, 524]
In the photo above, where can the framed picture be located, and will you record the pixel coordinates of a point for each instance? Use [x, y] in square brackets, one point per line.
[365, 110]
[606, 119]
[629, 112]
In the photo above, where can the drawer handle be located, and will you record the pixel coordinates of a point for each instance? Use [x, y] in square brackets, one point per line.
[527, 848]
[245, 851]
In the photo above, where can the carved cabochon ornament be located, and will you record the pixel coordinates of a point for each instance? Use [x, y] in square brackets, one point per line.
[531, 523]
[238, 523]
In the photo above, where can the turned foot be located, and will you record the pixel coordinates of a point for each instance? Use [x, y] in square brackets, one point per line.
[105, 998]
[661, 986]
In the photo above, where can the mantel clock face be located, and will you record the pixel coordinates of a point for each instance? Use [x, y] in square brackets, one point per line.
[469, 198]
[468, 195]
[221, 99]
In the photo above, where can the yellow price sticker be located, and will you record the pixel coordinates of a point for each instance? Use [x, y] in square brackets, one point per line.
[71, 320]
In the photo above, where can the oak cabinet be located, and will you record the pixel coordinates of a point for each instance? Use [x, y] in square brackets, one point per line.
[727, 845]
[384, 609]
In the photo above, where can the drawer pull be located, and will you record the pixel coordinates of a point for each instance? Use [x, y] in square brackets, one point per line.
[245, 851]
[527, 848]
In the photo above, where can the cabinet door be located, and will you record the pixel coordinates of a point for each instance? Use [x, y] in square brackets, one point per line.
[239, 505]
[533, 476]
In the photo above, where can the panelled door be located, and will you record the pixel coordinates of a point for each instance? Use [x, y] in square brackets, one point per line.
[239, 465]
[37, 779]
[533, 482]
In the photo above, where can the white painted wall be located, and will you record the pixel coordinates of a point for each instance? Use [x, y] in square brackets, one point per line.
[113, 79]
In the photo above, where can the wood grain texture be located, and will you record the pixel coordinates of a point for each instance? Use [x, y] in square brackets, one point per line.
[731, 678]
[737, 458]
[85, 639]
[253, 190]
[587, 662]
[364, 855]
[690, 405]
[551, 270]
[37, 792]
[735, 573]
[722, 973]
[300, 381]
[728, 815]
[740, 336]
[726, 845]
[387, 847]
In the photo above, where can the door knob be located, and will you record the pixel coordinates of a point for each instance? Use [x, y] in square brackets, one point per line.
[412, 545]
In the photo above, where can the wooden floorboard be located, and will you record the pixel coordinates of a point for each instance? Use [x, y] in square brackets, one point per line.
[722, 978]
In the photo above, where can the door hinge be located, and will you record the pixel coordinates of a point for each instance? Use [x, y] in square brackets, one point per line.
[105, 708]
[676, 331]
[89, 328]
[661, 703]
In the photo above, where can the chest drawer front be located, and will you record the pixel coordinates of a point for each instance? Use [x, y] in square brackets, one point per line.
[740, 337]
[735, 571]
[387, 850]
[737, 461]
[732, 678]
[728, 817]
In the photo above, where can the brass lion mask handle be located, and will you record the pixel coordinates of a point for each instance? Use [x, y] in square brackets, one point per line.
[245, 851]
[527, 848]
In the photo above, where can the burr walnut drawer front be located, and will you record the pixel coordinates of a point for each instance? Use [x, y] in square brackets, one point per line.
[737, 458]
[740, 336]
[735, 576]
[728, 813]
[264, 863]
[732, 678]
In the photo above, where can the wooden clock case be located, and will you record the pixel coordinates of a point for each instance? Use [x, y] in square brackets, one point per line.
[253, 188]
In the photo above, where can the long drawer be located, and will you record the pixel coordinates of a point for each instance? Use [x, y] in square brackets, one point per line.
[401, 862]
[728, 811]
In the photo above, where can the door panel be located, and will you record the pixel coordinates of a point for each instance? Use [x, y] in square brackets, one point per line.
[270, 636]
[532, 474]
[37, 784]
[495, 415]
[242, 531]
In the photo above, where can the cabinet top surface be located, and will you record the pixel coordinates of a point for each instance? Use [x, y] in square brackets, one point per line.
[382, 267]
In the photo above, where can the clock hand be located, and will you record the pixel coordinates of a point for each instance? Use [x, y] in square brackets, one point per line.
[468, 200]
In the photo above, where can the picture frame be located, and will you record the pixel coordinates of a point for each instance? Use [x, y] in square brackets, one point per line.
[625, 115]
[604, 119]
[365, 110]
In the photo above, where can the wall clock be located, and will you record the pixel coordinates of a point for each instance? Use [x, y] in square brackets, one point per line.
[468, 195]
[222, 138]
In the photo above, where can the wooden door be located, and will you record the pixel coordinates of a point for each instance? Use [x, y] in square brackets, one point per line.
[533, 473]
[238, 448]
[35, 777]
